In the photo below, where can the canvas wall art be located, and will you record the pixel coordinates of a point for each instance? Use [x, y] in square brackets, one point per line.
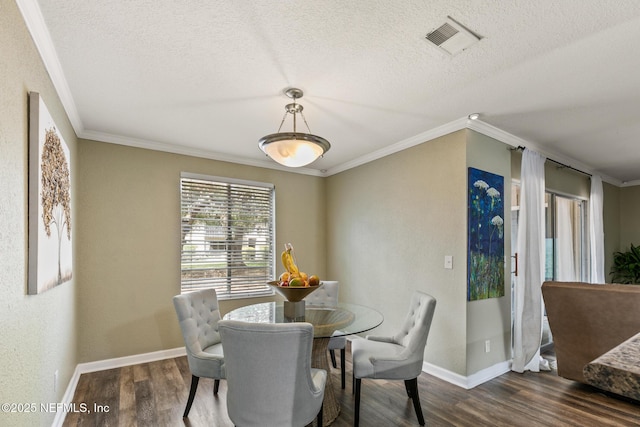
[50, 225]
[485, 218]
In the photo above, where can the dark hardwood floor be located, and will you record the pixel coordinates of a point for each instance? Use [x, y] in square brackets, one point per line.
[154, 394]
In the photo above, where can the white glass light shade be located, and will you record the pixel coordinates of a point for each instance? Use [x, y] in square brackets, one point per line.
[293, 149]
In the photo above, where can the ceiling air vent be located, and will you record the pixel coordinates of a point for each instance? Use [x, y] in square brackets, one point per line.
[452, 37]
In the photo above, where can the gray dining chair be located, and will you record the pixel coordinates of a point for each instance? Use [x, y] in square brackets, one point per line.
[327, 296]
[199, 314]
[270, 382]
[398, 357]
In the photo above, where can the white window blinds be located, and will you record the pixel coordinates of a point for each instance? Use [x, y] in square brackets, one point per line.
[227, 236]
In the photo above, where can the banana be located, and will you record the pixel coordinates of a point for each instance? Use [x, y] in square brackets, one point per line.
[288, 260]
[292, 268]
[285, 258]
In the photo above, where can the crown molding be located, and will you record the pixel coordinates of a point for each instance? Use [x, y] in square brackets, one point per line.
[42, 39]
[454, 126]
[194, 152]
[35, 24]
[629, 183]
[515, 141]
[445, 129]
[477, 126]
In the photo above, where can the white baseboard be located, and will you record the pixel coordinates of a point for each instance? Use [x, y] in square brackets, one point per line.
[467, 383]
[470, 381]
[100, 365]
[136, 359]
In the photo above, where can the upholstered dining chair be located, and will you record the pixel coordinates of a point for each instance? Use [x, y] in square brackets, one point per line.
[199, 314]
[327, 296]
[398, 357]
[269, 376]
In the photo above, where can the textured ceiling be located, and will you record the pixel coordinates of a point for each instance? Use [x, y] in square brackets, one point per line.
[207, 77]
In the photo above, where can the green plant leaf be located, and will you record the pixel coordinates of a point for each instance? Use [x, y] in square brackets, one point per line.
[626, 266]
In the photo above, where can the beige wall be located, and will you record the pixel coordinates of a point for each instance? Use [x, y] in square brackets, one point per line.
[490, 319]
[558, 179]
[129, 241]
[614, 204]
[378, 258]
[391, 222]
[38, 333]
[566, 181]
[629, 217]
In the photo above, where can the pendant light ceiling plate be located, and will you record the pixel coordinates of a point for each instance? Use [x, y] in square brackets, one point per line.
[294, 93]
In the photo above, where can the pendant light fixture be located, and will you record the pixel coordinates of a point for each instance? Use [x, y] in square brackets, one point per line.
[293, 149]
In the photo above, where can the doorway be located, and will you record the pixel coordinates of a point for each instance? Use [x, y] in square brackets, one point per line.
[566, 251]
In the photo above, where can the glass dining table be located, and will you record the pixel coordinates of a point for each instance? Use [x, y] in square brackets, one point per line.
[339, 320]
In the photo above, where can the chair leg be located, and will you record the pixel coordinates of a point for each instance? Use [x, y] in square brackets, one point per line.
[342, 365]
[353, 383]
[216, 386]
[192, 394]
[319, 417]
[406, 386]
[356, 413]
[332, 353]
[412, 388]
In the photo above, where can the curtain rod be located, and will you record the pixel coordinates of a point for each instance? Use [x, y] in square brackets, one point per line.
[521, 148]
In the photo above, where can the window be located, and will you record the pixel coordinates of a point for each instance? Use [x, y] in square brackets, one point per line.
[566, 257]
[566, 250]
[227, 236]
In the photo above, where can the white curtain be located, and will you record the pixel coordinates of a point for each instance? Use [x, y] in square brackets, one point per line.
[531, 257]
[596, 230]
[565, 240]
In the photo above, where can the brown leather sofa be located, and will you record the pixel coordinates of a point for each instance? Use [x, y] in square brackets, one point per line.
[588, 320]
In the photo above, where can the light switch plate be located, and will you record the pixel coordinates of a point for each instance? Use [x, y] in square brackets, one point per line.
[448, 262]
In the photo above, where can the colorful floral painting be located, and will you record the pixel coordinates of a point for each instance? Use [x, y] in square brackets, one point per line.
[485, 256]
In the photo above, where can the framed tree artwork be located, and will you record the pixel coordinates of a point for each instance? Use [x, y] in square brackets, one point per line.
[485, 236]
[50, 243]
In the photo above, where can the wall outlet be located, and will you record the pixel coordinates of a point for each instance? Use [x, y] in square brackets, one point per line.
[487, 346]
[448, 262]
[55, 381]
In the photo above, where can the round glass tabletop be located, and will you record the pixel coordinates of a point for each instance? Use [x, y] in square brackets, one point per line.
[340, 320]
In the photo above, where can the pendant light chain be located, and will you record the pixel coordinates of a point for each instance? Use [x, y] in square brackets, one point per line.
[305, 121]
[294, 110]
[282, 122]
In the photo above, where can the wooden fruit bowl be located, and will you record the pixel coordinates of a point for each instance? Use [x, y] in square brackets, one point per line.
[292, 293]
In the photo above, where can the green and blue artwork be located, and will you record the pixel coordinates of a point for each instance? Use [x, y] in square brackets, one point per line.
[485, 258]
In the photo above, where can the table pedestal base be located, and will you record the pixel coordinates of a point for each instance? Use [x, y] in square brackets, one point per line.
[294, 311]
[320, 360]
